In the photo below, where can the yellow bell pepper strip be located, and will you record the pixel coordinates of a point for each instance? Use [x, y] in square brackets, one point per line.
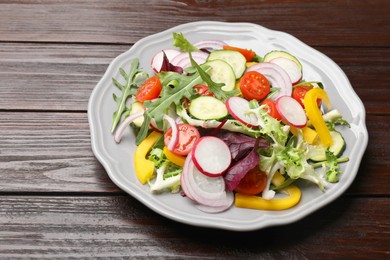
[309, 135]
[144, 168]
[256, 202]
[315, 116]
[176, 159]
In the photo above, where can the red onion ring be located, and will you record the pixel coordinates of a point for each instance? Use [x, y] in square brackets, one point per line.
[175, 133]
[122, 127]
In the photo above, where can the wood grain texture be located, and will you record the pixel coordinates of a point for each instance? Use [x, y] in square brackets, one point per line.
[120, 226]
[62, 76]
[57, 201]
[339, 23]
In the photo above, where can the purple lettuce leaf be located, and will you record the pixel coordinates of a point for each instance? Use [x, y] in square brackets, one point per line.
[167, 66]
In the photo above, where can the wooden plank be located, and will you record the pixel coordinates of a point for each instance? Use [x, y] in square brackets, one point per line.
[86, 227]
[64, 75]
[51, 152]
[339, 23]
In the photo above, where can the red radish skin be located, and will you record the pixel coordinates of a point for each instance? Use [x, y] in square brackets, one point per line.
[157, 60]
[211, 156]
[291, 67]
[291, 111]
[237, 107]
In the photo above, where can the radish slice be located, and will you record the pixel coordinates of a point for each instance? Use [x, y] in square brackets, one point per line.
[122, 127]
[291, 67]
[175, 133]
[291, 111]
[238, 107]
[157, 60]
[210, 45]
[276, 75]
[218, 209]
[183, 59]
[211, 156]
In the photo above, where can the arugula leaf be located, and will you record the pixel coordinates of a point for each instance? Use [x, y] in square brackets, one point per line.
[175, 87]
[213, 87]
[127, 91]
[181, 42]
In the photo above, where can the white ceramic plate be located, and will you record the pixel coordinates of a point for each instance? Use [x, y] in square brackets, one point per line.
[117, 159]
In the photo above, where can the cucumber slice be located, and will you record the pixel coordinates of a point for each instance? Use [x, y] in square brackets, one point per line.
[221, 72]
[317, 153]
[235, 59]
[135, 108]
[207, 108]
[276, 54]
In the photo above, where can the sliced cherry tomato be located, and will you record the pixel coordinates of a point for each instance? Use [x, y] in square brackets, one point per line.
[271, 108]
[254, 85]
[248, 54]
[188, 135]
[253, 182]
[203, 90]
[299, 93]
[149, 90]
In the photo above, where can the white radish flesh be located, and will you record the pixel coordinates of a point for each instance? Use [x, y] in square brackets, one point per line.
[238, 107]
[211, 156]
[291, 67]
[291, 111]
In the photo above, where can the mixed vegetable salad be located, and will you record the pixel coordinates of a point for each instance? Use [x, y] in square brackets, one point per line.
[224, 126]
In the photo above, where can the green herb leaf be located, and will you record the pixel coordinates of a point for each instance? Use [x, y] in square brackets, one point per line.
[126, 92]
[213, 87]
[181, 42]
[175, 87]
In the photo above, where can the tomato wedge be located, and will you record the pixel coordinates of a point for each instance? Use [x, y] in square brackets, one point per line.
[253, 182]
[299, 93]
[149, 90]
[203, 90]
[271, 108]
[254, 85]
[248, 54]
[187, 135]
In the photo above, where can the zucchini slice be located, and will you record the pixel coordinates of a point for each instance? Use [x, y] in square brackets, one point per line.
[317, 153]
[207, 108]
[221, 72]
[235, 59]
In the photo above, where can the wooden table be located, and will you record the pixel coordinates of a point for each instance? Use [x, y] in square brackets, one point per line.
[56, 200]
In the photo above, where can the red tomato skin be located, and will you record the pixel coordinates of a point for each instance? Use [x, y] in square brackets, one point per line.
[253, 182]
[299, 93]
[149, 90]
[271, 108]
[254, 85]
[203, 90]
[188, 135]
